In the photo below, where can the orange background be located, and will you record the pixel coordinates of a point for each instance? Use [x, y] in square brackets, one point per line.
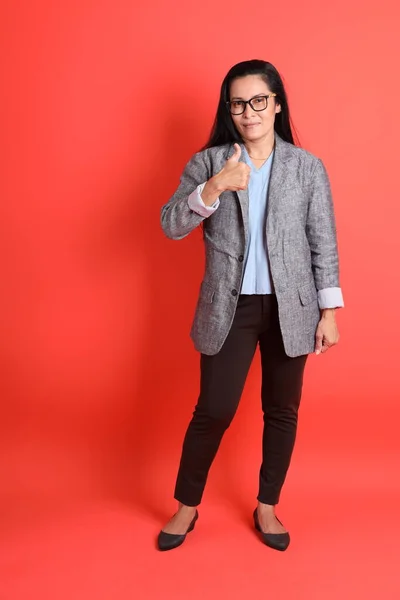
[103, 103]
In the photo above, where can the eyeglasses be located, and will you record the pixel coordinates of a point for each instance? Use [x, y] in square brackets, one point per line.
[257, 103]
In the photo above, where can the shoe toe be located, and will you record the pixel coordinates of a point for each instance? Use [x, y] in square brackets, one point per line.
[168, 541]
[277, 541]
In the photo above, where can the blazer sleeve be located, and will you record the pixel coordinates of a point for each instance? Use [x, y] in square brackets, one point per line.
[178, 219]
[321, 231]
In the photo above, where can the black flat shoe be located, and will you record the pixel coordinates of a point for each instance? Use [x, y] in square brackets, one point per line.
[277, 541]
[169, 541]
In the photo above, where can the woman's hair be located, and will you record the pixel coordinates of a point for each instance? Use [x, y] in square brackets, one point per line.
[224, 130]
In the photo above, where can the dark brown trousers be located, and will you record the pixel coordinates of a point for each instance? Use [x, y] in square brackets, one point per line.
[222, 381]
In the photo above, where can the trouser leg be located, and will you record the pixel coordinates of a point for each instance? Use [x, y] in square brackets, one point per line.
[282, 381]
[222, 380]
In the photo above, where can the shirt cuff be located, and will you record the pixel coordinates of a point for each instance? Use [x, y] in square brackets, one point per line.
[196, 203]
[330, 298]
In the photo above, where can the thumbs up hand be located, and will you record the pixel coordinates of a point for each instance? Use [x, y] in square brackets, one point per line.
[234, 175]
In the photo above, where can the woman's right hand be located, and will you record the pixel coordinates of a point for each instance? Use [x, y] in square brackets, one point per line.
[233, 176]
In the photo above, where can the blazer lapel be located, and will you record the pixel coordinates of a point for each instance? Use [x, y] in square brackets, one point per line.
[244, 205]
[279, 173]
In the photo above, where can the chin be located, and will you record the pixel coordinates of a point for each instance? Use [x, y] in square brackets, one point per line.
[252, 136]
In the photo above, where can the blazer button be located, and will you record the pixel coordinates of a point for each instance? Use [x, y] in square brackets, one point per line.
[241, 258]
[234, 292]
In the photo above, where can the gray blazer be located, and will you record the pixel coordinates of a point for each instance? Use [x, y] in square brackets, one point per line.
[301, 242]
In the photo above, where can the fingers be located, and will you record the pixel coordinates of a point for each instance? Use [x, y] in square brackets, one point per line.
[318, 343]
[236, 155]
[246, 181]
[323, 345]
[241, 181]
[244, 176]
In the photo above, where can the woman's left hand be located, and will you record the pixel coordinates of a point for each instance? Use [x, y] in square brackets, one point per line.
[327, 332]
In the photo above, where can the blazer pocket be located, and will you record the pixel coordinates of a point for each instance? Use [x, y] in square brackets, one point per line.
[207, 292]
[308, 294]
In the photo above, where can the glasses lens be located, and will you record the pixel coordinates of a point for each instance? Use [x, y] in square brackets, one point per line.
[236, 107]
[259, 103]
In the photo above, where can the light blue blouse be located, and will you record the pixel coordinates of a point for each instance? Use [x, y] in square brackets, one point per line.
[257, 278]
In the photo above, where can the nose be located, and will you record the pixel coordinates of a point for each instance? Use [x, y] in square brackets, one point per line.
[248, 112]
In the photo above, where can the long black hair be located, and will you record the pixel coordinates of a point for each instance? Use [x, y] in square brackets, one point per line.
[224, 130]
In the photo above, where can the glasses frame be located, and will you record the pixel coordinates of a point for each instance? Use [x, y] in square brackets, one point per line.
[249, 102]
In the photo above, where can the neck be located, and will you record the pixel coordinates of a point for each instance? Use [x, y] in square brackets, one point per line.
[261, 149]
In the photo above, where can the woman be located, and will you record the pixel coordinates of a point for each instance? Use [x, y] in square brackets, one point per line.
[271, 280]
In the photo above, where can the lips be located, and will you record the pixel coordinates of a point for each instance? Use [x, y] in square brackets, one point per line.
[250, 125]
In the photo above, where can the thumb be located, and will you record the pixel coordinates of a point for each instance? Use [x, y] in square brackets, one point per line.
[236, 155]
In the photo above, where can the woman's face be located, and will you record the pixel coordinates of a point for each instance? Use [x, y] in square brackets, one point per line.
[253, 126]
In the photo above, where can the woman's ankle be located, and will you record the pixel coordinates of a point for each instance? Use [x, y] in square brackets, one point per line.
[266, 508]
[186, 508]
